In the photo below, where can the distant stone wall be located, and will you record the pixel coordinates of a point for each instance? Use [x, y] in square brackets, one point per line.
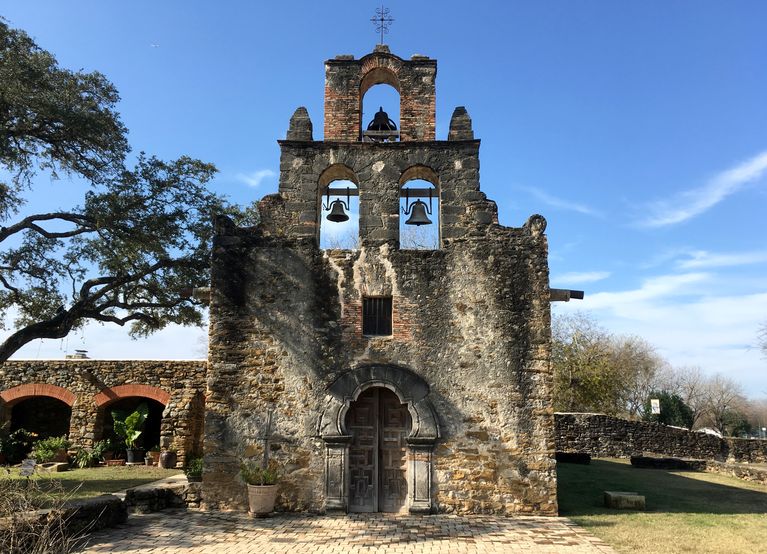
[89, 387]
[602, 435]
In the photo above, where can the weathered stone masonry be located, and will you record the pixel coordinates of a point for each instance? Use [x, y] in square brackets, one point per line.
[90, 386]
[607, 436]
[470, 350]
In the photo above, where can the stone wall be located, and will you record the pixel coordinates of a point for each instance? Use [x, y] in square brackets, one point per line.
[606, 436]
[89, 387]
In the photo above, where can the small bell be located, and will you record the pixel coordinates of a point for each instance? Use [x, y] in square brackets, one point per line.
[418, 214]
[337, 213]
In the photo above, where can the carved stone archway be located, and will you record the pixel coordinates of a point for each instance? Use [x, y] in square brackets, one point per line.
[413, 391]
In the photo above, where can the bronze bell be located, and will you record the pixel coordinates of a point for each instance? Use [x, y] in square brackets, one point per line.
[337, 213]
[418, 214]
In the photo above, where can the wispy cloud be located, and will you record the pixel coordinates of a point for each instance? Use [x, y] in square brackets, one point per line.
[255, 178]
[580, 277]
[560, 203]
[703, 259]
[651, 290]
[693, 202]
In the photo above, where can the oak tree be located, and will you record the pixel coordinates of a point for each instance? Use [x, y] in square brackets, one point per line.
[138, 239]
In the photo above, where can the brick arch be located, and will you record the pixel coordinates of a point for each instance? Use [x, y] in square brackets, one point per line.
[109, 395]
[16, 394]
[379, 76]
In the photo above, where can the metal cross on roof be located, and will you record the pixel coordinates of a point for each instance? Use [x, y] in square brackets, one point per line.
[382, 20]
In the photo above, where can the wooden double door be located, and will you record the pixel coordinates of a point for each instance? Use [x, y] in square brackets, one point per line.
[379, 425]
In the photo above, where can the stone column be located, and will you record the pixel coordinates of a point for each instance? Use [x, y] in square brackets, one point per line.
[421, 475]
[337, 472]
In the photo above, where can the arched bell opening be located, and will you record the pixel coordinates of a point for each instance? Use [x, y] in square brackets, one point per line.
[419, 213]
[339, 224]
[150, 434]
[380, 106]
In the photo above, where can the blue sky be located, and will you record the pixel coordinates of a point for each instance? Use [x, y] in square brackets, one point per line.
[638, 129]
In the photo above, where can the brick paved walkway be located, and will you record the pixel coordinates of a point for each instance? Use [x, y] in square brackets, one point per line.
[227, 533]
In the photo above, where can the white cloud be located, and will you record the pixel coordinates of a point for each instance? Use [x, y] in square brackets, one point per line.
[581, 277]
[255, 178]
[560, 203]
[693, 202]
[703, 259]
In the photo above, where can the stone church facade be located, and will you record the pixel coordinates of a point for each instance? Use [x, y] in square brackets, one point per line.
[446, 408]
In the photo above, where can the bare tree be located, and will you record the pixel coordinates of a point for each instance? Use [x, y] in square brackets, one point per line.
[724, 397]
[691, 385]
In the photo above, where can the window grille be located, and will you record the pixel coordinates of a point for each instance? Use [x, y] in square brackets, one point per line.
[376, 316]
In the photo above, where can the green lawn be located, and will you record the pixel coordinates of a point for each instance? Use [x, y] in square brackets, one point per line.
[686, 511]
[86, 483]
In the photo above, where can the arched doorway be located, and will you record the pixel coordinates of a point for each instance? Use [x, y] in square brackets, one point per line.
[43, 415]
[150, 436]
[370, 406]
[379, 425]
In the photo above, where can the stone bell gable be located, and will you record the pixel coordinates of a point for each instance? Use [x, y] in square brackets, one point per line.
[397, 379]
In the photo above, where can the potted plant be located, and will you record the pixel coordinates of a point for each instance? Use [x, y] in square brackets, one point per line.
[262, 488]
[86, 458]
[193, 470]
[154, 454]
[105, 449]
[129, 428]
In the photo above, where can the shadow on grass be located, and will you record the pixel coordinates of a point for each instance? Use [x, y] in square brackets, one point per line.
[580, 489]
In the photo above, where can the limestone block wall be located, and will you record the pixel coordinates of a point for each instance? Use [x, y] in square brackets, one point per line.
[603, 435]
[89, 386]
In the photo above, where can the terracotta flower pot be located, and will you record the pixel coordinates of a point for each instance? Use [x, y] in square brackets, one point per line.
[261, 499]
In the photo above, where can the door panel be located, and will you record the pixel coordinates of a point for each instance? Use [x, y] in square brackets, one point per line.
[362, 423]
[394, 428]
[379, 425]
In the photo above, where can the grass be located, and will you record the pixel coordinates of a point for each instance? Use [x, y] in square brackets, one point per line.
[90, 482]
[687, 512]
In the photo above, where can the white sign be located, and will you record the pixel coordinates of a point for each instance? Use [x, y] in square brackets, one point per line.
[28, 467]
[655, 404]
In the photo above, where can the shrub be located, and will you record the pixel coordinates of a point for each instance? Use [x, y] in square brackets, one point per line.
[46, 450]
[253, 474]
[193, 468]
[15, 446]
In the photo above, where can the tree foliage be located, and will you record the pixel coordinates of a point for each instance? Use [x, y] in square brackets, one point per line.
[135, 243]
[673, 410]
[595, 371]
[53, 119]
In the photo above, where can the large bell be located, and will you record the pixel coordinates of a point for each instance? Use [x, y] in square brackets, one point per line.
[418, 214]
[337, 213]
